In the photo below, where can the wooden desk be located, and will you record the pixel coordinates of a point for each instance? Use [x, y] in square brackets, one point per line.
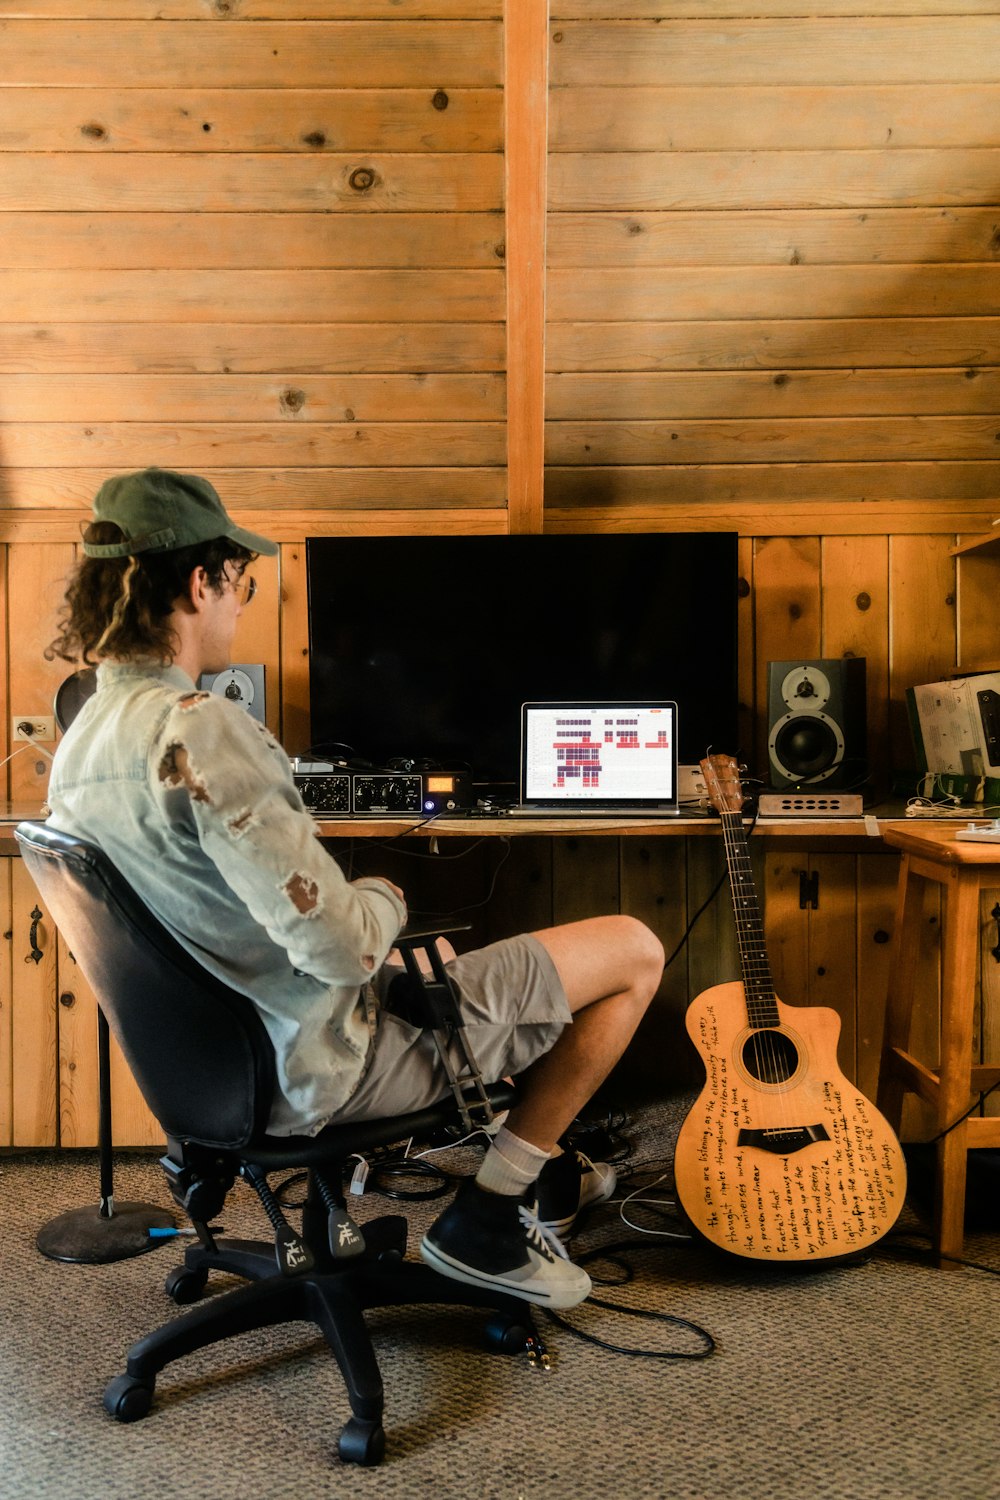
[961, 870]
[832, 950]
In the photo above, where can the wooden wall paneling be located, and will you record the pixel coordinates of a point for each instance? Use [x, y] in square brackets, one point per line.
[713, 10]
[251, 182]
[771, 236]
[787, 619]
[655, 889]
[833, 949]
[254, 296]
[693, 394]
[36, 582]
[258, 634]
[6, 1006]
[526, 168]
[978, 647]
[127, 445]
[243, 347]
[922, 627]
[737, 342]
[788, 117]
[391, 444]
[805, 440]
[269, 55]
[522, 899]
[713, 950]
[79, 1092]
[821, 51]
[855, 623]
[294, 650]
[752, 499]
[309, 121]
[877, 879]
[585, 878]
[34, 1033]
[289, 240]
[786, 925]
[299, 401]
[647, 180]
[223, 11]
[689, 293]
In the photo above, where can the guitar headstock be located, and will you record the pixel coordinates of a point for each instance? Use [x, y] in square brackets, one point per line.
[722, 783]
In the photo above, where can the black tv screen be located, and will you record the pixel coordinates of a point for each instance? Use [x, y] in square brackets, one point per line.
[424, 648]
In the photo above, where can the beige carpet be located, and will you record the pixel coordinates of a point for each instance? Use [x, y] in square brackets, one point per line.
[872, 1383]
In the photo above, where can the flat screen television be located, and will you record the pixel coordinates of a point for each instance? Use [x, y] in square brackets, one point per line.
[423, 649]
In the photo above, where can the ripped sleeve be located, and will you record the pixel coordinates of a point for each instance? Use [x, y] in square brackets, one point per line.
[230, 784]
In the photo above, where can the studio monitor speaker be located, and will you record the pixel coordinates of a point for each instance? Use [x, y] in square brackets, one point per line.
[816, 722]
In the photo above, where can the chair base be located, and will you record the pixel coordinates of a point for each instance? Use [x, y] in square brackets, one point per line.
[83, 1236]
[333, 1298]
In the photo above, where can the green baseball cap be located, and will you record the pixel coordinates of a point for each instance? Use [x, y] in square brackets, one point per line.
[160, 511]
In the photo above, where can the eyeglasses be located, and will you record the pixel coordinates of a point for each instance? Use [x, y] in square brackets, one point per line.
[245, 588]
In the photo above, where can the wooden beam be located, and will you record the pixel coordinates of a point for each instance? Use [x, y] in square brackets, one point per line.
[526, 25]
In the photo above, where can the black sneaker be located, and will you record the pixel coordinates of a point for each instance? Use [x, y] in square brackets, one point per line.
[494, 1240]
[567, 1185]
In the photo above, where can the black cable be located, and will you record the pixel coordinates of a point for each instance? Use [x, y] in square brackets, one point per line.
[708, 899]
[612, 1252]
[892, 1244]
[978, 1104]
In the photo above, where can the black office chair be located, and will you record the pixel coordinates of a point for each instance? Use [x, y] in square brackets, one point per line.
[205, 1065]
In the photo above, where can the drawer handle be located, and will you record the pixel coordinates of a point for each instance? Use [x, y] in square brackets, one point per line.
[36, 955]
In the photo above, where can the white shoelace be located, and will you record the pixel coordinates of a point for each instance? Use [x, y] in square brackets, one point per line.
[540, 1237]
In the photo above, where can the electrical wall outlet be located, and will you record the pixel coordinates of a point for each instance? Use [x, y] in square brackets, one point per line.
[34, 727]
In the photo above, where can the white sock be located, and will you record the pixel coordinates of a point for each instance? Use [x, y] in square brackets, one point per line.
[511, 1164]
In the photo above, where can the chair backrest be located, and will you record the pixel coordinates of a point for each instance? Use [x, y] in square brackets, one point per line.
[198, 1049]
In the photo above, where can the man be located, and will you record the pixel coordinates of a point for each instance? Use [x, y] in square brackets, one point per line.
[194, 802]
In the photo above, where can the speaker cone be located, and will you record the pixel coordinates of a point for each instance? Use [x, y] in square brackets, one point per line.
[806, 747]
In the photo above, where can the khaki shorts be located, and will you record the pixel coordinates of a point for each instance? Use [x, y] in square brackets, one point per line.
[514, 1007]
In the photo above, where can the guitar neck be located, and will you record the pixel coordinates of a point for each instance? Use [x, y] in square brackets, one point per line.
[762, 1007]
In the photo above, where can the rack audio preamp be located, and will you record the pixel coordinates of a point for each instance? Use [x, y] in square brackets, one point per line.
[331, 791]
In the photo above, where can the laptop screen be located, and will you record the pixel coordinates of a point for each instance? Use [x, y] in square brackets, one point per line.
[604, 754]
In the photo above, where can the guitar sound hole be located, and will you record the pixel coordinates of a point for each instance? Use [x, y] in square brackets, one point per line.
[770, 1057]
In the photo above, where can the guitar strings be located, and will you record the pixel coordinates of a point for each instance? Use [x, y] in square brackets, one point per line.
[757, 982]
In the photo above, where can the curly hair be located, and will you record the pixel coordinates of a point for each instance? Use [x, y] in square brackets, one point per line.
[120, 606]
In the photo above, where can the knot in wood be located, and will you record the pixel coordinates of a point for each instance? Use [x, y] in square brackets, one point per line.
[440, 100]
[93, 131]
[362, 179]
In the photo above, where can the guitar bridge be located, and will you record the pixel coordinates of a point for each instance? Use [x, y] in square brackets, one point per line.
[784, 1141]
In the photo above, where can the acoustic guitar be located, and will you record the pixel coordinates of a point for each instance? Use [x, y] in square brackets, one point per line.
[781, 1159]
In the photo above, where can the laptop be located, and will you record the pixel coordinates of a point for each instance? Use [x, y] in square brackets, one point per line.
[601, 760]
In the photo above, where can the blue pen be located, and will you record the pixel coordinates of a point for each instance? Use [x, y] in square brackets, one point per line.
[168, 1234]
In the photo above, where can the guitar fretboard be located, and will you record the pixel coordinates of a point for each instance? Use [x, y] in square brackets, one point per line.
[762, 1007]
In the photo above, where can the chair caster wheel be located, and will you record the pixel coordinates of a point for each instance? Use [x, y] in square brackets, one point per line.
[507, 1335]
[362, 1442]
[183, 1286]
[127, 1399]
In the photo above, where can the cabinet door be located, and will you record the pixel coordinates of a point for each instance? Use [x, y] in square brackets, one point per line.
[6, 1008]
[34, 1040]
[810, 922]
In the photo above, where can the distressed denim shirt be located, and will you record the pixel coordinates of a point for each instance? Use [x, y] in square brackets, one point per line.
[194, 802]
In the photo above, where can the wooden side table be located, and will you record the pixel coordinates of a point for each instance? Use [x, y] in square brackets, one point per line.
[961, 869]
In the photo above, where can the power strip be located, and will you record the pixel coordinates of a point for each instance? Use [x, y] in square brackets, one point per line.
[810, 805]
